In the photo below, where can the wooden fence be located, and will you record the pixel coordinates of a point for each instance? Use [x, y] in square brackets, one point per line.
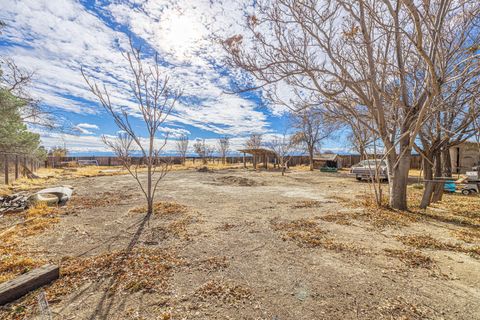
[346, 160]
[16, 165]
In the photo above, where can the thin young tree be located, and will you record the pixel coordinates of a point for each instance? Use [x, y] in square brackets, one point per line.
[223, 147]
[282, 145]
[182, 147]
[155, 99]
[203, 150]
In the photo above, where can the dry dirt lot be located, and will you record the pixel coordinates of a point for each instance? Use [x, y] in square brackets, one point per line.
[238, 244]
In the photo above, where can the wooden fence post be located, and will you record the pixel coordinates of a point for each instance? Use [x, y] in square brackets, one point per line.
[6, 168]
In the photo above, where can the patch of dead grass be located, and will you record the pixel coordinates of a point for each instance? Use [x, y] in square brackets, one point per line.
[467, 235]
[162, 208]
[141, 269]
[342, 218]
[13, 259]
[103, 200]
[307, 204]
[400, 309]
[428, 242]
[382, 217]
[214, 263]
[308, 233]
[412, 259]
[225, 291]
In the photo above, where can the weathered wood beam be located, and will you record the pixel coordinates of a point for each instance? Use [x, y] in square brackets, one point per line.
[20, 286]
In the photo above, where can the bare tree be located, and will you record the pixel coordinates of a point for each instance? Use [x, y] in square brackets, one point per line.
[377, 59]
[223, 147]
[254, 141]
[312, 128]
[203, 150]
[155, 100]
[283, 146]
[182, 147]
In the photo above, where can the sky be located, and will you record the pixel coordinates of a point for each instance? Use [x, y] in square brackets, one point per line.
[56, 38]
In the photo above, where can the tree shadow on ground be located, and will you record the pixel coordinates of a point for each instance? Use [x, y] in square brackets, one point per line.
[106, 302]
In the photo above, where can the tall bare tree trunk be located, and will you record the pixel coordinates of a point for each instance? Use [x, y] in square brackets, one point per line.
[149, 179]
[398, 180]
[310, 158]
[438, 164]
[446, 162]
[427, 167]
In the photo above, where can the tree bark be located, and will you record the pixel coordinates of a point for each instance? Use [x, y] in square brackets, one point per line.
[447, 162]
[438, 164]
[310, 158]
[399, 179]
[427, 169]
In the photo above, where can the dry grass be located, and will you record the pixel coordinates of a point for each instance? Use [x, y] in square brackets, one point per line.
[227, 292]
[307, 204]
[141, 269]
[379, 217]
[212, 263]
[400, 309]
[13, 259]
[412, 259]
[428, 242]
[307, 233]
[342, 218]
[467, 235]
[100, 200]
[162, 208]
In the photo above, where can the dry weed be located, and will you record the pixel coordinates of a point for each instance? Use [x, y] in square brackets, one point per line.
[162, 208]
[307, 204]
[309, 234]
[428, 242]
[227, 292]
[212, 263]
[401, 309]
[412, 259]
[103, 200]
[141, 269]
[342, 218]
[13, 260]
[467, 235]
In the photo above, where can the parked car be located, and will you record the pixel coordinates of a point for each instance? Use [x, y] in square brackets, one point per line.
[365, 170]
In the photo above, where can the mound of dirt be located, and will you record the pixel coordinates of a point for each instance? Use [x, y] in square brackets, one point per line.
[204, 169]
[238, 181]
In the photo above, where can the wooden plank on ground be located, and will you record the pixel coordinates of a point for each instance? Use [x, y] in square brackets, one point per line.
[20, 286]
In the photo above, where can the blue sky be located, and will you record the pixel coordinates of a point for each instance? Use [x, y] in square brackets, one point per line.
[55, 38]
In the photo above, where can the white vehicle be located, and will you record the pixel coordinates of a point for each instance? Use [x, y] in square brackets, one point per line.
[366, 170]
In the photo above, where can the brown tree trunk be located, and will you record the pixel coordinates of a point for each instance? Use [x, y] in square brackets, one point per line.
[398, 180]
[427, 168]
[438, 164]
[446, 162]
[310, 158]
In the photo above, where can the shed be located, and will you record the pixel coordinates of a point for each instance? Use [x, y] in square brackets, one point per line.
[258, 153]
[331, 160]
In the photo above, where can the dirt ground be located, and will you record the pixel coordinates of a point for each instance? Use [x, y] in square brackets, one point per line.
[237, 244]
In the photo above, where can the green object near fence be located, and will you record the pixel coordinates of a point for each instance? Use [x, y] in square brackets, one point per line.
[328, 169]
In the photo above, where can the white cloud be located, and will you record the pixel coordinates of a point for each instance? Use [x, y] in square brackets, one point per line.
[56, 38]
[83, 128]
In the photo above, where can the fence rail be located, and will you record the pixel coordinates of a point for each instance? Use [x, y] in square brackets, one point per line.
[16, 165]
[346, 160]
